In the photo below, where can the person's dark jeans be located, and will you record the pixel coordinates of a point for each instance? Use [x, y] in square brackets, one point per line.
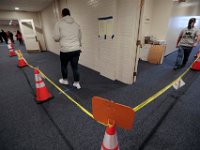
[1, 39]
[73, 58]
[183, 55]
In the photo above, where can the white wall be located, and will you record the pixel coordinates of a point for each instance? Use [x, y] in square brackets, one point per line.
[49, 17]
[4, 15]
[62, 4]
[49, 20]
[146, 20]
[113, 58]
[165, 17]
[145, 28]
[87, 15]
[160, 18]
[128, 15]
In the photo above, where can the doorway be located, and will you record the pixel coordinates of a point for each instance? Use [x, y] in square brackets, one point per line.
[27, 28]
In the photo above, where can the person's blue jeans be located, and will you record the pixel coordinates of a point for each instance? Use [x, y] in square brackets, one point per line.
[183, 55]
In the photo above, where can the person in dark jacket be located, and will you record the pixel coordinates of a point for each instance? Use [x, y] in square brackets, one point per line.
[10, 35]
[4, 36]
[1, 39]
[19, 37]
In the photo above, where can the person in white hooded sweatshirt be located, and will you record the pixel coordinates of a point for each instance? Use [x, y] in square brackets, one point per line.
[68, 33]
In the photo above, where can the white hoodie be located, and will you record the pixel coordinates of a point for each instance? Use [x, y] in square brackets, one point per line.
[68, 33]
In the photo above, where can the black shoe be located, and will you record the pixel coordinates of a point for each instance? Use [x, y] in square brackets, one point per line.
[176, 67]
[183, 65]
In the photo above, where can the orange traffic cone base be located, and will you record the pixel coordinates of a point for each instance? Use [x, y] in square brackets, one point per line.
[110, 141]
[196, 66]
[42, 95]
[21, 63]
[12, 53]
[104, 148]
[39, 101]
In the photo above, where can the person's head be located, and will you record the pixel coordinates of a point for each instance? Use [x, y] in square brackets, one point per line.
[65, 12]
[191, 23]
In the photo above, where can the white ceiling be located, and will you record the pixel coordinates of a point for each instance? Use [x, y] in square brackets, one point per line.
[24, 5]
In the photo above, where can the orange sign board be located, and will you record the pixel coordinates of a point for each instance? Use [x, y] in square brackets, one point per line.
[105, 111]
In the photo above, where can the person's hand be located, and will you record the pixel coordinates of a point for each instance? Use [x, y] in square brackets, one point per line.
[177, 46]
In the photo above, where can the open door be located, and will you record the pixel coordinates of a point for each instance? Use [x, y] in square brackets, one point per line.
[138, 42]
[29, 34]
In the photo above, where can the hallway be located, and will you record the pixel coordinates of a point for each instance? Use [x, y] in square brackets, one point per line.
[113, 45]
[169, 122]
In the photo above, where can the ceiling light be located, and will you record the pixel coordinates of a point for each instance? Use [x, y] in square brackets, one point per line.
[16, 8]
[93, 2]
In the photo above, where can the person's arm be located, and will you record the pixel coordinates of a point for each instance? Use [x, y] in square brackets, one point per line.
[80, 37]
[179, 38]
[56, 35]
[197, 39]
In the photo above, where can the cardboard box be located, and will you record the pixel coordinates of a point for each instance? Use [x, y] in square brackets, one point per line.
[156, 54]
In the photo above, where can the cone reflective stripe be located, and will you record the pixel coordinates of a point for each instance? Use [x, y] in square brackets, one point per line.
[10, 46]
[40, 85]
[9, 41]
[38, 80]
[110, 139]
[42, 93]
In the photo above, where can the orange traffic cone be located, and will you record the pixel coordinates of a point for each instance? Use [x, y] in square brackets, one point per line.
[11, 52]
[196, 65]
[21, 61]
[42, 93]
[110, 139]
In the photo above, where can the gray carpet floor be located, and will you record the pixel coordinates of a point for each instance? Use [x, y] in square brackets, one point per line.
[171, 122]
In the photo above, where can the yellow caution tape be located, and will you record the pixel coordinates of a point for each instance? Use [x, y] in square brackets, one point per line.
[69, 97]
[19, 54]
[29, 64]
[137, 108]
[153, 97]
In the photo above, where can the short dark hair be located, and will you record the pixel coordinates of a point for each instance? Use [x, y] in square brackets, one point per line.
[65, 12]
